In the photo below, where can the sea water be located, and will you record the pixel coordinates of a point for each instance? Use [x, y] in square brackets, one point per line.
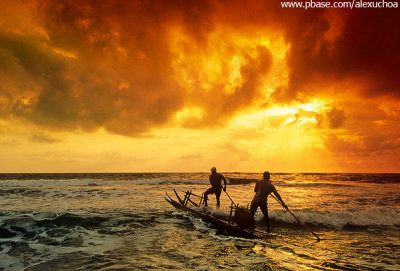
[122, 222]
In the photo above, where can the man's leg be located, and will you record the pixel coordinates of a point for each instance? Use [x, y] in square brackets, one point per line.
[264, 209]
[253, 209]
[217, 195]
[208, 191]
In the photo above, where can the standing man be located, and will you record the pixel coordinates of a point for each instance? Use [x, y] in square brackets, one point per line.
[215, 180]
[263, 189]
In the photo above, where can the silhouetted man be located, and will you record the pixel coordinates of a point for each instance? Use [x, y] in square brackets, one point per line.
[216, 187]
[263, 189]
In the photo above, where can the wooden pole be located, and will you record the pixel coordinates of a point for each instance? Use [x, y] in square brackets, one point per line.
[230, 213]
[298, 220]
[194, 203]
[230, 198]
[179, 198]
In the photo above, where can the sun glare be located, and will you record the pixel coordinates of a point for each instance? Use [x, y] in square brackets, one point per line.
[65, 53]
[299, 114]
[188, 113]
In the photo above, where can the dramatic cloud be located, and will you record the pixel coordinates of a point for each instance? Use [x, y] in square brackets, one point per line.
[336, 118]
[132, 65]
[334, 50]
[251, 72]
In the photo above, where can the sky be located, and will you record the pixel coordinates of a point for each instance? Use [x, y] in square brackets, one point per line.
[185, 85]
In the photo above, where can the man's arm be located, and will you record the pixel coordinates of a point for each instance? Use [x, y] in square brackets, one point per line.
[223, 178]
[279, 198]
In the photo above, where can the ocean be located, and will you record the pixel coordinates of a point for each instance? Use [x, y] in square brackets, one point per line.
[122, 222]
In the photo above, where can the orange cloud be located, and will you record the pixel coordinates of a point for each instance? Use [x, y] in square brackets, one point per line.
[112, 65]
[130, 66]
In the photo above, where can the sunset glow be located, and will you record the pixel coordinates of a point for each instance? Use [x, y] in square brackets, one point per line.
[138, 86]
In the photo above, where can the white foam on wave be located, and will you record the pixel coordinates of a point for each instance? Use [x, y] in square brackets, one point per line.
[67, 240]
[92, 242]
[9, 263]
[61, 183]
[200, 225]
[24, 222]
[218, 212]
[368, 217]
[45, 216]
[170, 181]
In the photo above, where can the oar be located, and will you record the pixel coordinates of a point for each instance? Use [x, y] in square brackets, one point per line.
[230, 198]
[298, 220]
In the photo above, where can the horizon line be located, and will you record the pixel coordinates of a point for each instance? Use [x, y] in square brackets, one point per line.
[172, 172]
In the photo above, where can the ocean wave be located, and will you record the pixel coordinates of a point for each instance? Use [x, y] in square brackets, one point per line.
[314, 184]
[376, 178]
[42, 237]
[167, 181]
[379, 217]
[27, 186]
[338, 219]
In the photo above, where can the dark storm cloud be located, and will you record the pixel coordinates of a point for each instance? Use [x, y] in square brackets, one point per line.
[27, 68]
[336, 118]
[368, 50]
[330, 46]
[364, 51]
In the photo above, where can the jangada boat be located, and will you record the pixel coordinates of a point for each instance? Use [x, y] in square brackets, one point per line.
[240, 222]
